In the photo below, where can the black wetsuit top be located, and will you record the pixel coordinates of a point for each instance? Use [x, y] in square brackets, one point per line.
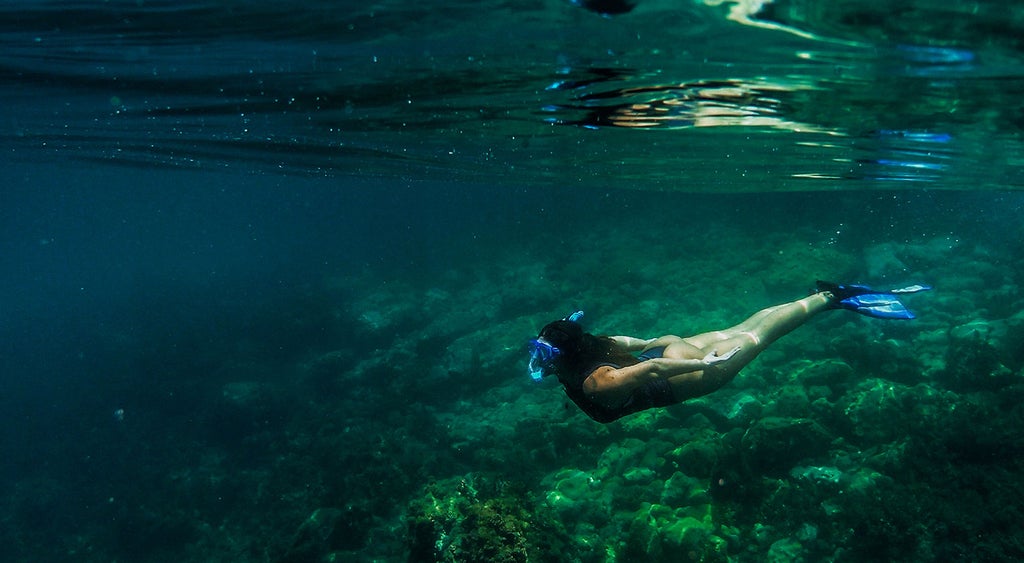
[656, 393]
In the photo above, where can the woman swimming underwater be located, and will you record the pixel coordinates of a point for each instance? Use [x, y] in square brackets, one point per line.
[603, 377]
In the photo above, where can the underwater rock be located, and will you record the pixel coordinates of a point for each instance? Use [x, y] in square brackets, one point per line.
[789, 401]
[617, 458]
[658, 533]
[892, 359]
[331, 373]
[917, 255]
[1004, 336]
[865, 481]
[698, 456]
[971, 330]
[820, 474]
[475, 360]
[786, 550]
[683, 490]
[831, 373]
[883, 260]
[325, 531]
[571, 488]
[245, 394]
[796, 264]
[822, 381]
[972, 361]
[745, 410]
[880, 412]
[243, 408]
[763, 533]
[475, 518]
[807, 532]
[494, 530]
[937, 249]
[774, 444]
[639, 475]
[384, 309]
[875, 410]
[38, 510]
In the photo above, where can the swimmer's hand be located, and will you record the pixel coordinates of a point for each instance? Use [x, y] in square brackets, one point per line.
[713, 357]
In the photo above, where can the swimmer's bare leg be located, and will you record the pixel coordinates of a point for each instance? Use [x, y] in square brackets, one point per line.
[752, 336]
[767, 325]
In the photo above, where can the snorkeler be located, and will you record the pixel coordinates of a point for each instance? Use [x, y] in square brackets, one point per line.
[606, 381]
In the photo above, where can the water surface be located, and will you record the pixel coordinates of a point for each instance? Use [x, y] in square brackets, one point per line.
[792, 97]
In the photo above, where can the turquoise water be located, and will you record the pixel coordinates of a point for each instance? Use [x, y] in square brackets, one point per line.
[268, 272]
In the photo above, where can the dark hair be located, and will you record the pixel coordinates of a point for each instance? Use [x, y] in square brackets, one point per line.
[581, 350]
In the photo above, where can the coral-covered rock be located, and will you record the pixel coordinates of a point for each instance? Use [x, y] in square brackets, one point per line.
[745, 409]
[790, 401]
[786, 550]
[973, 360]
[773, 445]
[697, 457]
[830, 373]
[682, 490]
[326, 530]
[475, 518]
[658, 533]
[571, 491]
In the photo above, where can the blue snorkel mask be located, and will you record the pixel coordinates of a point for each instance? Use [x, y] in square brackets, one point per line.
[543, 353]
[542, 356]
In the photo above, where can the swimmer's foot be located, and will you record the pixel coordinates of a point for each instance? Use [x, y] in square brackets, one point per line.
[866, 301]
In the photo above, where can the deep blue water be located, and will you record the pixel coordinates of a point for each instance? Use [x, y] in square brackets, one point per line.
[201, 195]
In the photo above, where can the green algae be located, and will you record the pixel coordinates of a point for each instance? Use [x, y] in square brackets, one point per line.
[477, 518]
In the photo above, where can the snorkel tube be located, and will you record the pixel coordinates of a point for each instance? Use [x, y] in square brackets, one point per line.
[543, 354]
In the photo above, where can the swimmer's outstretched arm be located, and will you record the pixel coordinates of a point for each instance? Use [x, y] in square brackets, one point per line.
[664, 368]
[609, 386]
[630, 343]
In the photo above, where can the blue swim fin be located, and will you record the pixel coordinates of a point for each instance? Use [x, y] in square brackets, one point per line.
[871, 302]
[878, 305]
